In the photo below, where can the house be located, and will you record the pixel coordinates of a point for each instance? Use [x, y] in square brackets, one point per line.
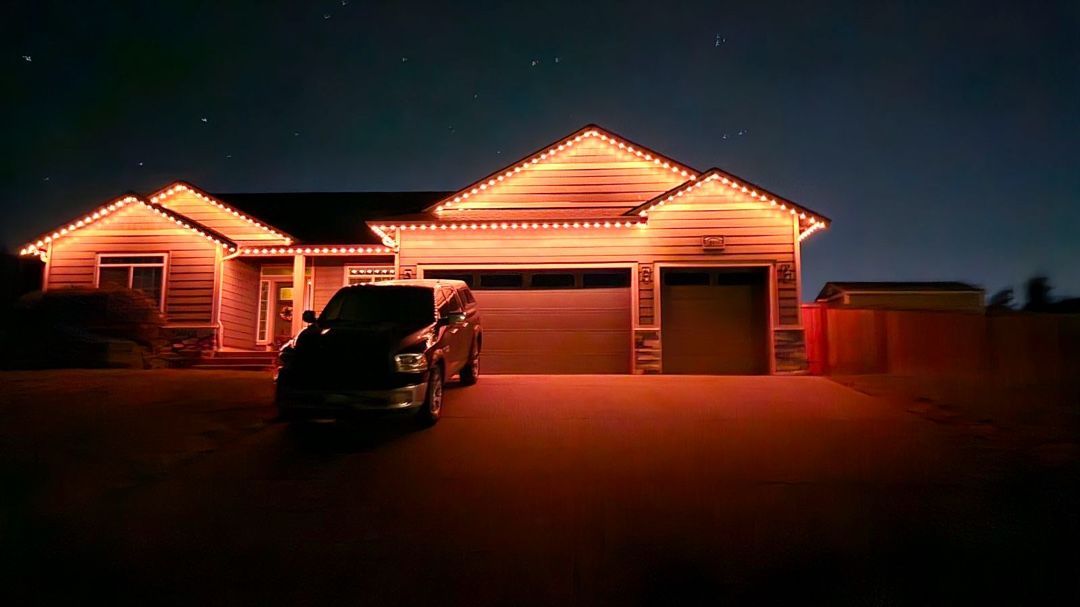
[951, 296]
[592, 255]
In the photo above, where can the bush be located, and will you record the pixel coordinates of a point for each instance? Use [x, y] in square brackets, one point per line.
[78, 327]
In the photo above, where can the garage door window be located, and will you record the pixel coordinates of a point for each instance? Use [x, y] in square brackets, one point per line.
[605, 280]
[686, 279]
[501, 281]
[552, 281]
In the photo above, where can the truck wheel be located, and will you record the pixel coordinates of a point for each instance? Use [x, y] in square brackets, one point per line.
[471, 371]
[431, 410]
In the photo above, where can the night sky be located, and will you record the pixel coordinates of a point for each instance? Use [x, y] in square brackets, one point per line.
[941, 138]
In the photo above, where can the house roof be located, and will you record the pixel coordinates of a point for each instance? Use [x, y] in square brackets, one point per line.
[329, 217]
[38, 245]
[831, 289]
[508, 172]
[809, 220]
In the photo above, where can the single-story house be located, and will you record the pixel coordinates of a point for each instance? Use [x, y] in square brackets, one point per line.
[942, 296]
[591, 255]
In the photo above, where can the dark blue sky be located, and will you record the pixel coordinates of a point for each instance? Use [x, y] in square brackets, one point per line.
[941, 137]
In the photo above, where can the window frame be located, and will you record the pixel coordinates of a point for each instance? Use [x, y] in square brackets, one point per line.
[366, 279]
[101, 260]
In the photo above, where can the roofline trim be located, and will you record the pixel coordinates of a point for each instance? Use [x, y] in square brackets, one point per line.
[813, 220]
[543, 153]
[38, 246]
[161, 195]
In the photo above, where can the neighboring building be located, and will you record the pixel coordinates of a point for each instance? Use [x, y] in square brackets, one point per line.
[951, 296]
[592, 255]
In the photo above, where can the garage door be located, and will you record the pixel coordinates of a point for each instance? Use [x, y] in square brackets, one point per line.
[551, 321]
[714, 321]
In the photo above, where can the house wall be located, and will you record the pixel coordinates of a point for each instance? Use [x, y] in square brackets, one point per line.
[754, 236]
[239, 303]
[191, 269]
[591, 174]
[329, 274]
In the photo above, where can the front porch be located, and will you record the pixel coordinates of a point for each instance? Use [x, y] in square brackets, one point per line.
[265, 291]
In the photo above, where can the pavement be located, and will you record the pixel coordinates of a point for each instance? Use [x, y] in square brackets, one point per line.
[179, 488]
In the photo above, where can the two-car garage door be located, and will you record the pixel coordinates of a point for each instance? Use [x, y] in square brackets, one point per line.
[551, 321]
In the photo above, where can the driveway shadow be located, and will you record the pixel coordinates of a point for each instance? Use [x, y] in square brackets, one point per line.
[347, 435]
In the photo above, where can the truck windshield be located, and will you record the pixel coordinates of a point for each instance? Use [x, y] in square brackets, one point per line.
[370, 305]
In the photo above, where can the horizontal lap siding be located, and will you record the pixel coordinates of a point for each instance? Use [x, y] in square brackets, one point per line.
[753, 235]
[189, 283]
[329, 277]
[239, 304]
[590, 173]
[188, 204]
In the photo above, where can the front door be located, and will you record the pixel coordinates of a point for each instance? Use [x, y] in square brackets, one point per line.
[283, 312]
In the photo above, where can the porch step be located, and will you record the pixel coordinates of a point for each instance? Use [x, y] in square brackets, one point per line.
[237, 361]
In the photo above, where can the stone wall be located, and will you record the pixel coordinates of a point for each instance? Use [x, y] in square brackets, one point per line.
[789, 349]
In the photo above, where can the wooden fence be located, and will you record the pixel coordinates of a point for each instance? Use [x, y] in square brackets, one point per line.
[1011, 348]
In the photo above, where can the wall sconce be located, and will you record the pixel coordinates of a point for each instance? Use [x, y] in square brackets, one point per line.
[784, 273]
[645, 276]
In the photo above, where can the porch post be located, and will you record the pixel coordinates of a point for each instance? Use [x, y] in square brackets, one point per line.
[299, 285]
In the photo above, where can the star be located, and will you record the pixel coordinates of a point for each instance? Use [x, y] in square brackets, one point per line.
[27, 58]
[326, 16]
[296, 133]
[204, 120]
[404, 59]
[140, 163]
[46, 179]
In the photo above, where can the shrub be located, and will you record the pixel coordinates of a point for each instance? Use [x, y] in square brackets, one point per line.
[78, 327]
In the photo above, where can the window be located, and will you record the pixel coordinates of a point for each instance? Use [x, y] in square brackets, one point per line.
[600, 280]
[501, 281]
[682, 279]
[449, 303]
[264, 308]
[467, 296]
[552, 281]
[359, 275]
[143, 273]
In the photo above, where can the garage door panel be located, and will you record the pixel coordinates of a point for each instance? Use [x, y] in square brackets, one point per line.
[551, 363]
[716, 328]
[556, 330]
[553, 319]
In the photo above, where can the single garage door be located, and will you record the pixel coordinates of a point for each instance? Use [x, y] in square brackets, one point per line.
[714, 321]
[551, 321]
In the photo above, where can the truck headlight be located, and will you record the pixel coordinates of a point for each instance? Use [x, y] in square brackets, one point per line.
[410, 363]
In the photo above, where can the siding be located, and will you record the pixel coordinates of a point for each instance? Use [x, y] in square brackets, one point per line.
[189, 282]
[329, 275]
[591, 173]
[242, 231]
[239, 304]
[753, 235]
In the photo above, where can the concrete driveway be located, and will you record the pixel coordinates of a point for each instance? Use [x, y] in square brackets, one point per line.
[585, 490]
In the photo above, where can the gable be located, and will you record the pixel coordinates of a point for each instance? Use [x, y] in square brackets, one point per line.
[591, 171]
[715, 184]
[117, 218]
[191, 202]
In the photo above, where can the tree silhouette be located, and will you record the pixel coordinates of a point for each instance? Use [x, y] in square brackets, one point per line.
[1038, 294]
[1002, 300]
